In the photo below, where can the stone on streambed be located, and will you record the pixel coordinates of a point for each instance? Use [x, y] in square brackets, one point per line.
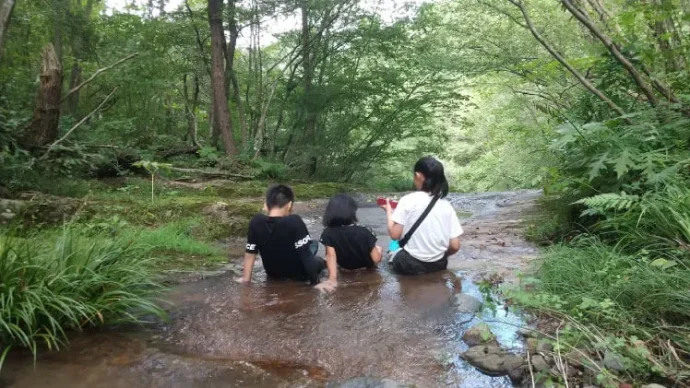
[494, 361]
[540, 364]
[535, 345]
[464, 303]
[367, 382]
[479, 334]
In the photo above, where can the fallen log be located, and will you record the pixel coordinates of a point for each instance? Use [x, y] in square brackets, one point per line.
[210, 173]
[187, 150]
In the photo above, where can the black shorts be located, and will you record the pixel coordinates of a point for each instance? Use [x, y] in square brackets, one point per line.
[404, 264]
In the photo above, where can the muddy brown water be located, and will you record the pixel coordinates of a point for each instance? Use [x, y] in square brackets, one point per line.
[285, 334]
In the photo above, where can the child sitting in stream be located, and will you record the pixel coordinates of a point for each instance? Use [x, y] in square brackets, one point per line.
[348, 245]
[287, 251]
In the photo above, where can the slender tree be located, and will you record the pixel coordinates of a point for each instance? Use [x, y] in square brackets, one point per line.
[6, 7]
[218, 82]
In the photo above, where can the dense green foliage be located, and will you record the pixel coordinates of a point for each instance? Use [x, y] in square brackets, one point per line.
[47, 289]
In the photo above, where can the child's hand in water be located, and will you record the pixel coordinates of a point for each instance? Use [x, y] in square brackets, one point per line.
[327, 286]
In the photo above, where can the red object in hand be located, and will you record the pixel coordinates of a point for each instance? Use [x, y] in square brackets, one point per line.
[382, 201]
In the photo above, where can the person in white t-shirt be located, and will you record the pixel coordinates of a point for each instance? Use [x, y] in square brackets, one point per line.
[437, 236]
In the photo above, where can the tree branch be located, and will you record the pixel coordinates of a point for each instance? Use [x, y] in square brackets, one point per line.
[77, 125]
[615, 51]
[584, 81]
[96, 74]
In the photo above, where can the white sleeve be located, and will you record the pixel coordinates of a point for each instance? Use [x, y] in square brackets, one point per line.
[455, 228]
[400, 212]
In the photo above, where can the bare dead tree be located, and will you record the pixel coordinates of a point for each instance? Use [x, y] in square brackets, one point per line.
[43, 128]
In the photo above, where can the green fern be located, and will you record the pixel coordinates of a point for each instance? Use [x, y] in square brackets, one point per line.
[603, 203]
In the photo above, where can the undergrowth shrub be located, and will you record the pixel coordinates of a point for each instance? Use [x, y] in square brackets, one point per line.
[48, 290]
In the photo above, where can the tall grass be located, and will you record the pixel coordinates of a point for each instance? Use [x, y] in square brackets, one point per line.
[633, 304]
[47, 291]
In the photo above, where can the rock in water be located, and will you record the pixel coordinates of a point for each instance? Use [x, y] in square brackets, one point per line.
[367, 382]
[494, 361]
[544, 346]
[539, 364]
[527, 332]
[466, 304]
[478, 335]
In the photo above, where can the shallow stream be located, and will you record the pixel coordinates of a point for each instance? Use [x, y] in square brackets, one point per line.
[284, 334]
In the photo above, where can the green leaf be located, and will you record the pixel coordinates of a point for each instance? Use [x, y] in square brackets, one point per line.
[623, 163]
[597, 166]
[663, 263]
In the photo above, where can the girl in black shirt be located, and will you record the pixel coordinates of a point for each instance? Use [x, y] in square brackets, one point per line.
[348, 245]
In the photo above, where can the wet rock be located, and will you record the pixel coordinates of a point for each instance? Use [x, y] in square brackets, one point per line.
[478, 335]
[544, 346]
[532, 345]
[527, 332]
[540, 364]
[367, 382]
[494, 361]
[613, 361]
[464, 303]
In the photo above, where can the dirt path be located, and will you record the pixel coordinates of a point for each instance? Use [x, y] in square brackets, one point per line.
[284, 334]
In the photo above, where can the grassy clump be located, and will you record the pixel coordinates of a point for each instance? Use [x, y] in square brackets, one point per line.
[47, 290]
[628, 305]
[625, 292]
[556, 220]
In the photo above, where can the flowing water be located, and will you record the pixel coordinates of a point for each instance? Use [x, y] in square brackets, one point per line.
[285, 334]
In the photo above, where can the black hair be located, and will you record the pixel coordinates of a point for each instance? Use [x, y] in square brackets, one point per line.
[279, 196]
[340, 211]
[435, 181]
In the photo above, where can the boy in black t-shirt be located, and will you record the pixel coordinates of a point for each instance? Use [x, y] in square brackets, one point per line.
[348, 245]
[287, 251]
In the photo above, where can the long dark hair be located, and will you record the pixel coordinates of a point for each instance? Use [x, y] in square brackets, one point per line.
[340, 211]
[435, 181]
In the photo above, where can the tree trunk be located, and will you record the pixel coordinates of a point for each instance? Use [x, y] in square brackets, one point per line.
[190, 108]
[220, 99]
[78, 52]
[74, 80]
[310, 114]
[230, 69]
[58, 9]
[6, 7]
[43, 128]
[661, 23]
